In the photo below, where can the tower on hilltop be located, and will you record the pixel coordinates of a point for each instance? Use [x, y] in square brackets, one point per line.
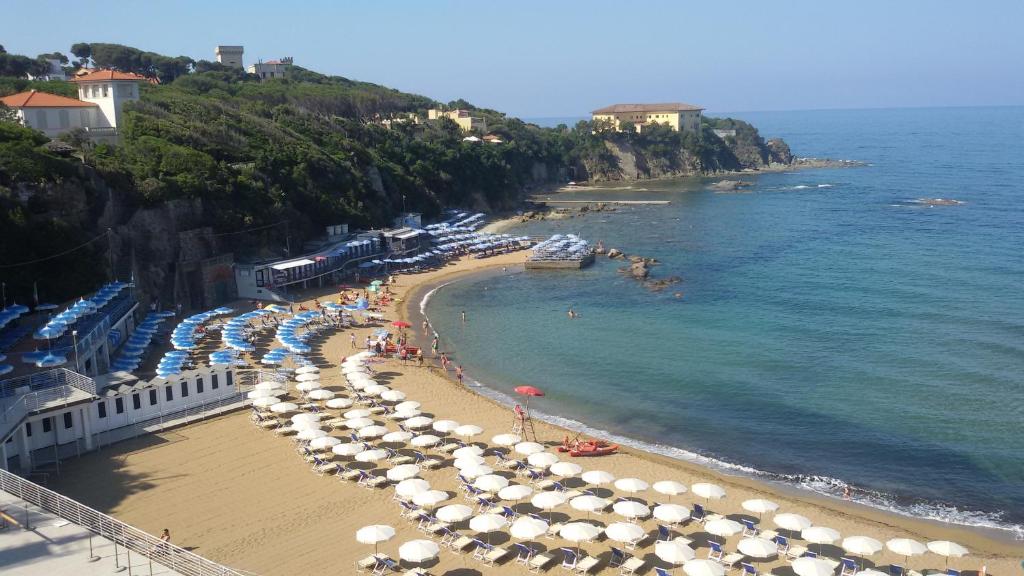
[230, 56]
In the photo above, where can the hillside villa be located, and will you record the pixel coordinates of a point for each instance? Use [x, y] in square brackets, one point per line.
[679, 116]
[463, 118]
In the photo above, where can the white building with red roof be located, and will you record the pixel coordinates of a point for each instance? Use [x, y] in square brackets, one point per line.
[270, 69]
[108, 89]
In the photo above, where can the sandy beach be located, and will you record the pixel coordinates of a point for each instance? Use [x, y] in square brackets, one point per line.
[244, 497]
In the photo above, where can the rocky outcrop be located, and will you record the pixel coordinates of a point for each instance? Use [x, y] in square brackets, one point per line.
[729, 185]
[778, 151]
[615, 253]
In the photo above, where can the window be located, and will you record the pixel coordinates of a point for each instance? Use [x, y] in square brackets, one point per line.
[152, 396]
[47, 424]
[65, 119]
[83, 117]
[184, 388]
[68, 420]
[28, 429]
[136, 401]
[214, 381]
[169, 393]
[101, 409]
[106, 88]
[230, 378]
[199, 385]
[119, 405]
[41, 120]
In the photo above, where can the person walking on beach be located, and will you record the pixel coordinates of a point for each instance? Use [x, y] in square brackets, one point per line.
[444, 361]
[458, 373]
[352, 337]
[419, 357]
[368, 342]
[433, 346]
[426, 325]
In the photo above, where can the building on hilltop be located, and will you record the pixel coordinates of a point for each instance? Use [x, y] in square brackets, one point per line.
[463, 118]
[109, 89]
[230, 56]
[271, 68]
[677, 115]
[51, 114]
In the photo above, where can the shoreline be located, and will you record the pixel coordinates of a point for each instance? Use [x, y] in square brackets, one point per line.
[980, 540]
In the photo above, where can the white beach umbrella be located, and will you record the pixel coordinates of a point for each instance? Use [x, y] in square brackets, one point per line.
[266, 402]
[320, 395]
[589, 503]
[418, 551]
[372, 455]
[723, 527]
[807, 566]
[324, 442]
[445, 426]
[487, 523]
[674, 552]
[305, 425]
[469, 461]
[703, 567]
[672, 513]
[579, 532]
[453, 513]
[374, 534]
[820, 535]
[375, 390]
[708, 491]
[308, 377]
[468, 431]
[548, 500]
[597, 477]
[861, 545]
[542, 459]
[410, 487]
[759, 506]
[350, 449]
[339, 403]
[515, 492]
[393, 395]
[305, 417]
[566, 469]
[271, 385]
[403, 472]
[311, 434]
[357, 423]
[404, 414]
[307, 386]
[528, 528]
[397, 437]
[373, 431]
[418, 422]
[353, 368]
[407, 405]
[946, 548]
[476, 471]
[506, 439]
[631, 509]
[757, 547]
[424, 440]
[430, 498]
[906, 547]
[260, 393]
[490, 482]
[468, 451]
[357, 413]
[306, 369]
[631, 485]
[669, 487]
[528, 448]
[624, 532]
[792, 522]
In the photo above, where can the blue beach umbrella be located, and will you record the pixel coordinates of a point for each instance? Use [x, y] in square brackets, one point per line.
[6, 369]
[51, 361]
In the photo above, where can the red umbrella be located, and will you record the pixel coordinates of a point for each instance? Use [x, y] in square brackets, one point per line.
[401, 324]
[529, 391]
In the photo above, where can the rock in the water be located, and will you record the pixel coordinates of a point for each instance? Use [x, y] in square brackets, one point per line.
[728, 185]
[615, 253]
[639, 270]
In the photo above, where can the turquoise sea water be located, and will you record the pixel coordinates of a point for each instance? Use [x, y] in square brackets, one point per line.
[831, 331]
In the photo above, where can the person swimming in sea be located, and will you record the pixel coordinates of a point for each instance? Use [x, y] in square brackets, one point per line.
[572, 313]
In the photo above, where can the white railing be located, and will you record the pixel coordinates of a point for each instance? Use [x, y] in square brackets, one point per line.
[31, 402]
[164, 553]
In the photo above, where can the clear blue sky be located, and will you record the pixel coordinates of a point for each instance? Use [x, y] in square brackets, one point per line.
[566, 57]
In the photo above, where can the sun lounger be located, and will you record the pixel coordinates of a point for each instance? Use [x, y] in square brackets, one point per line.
[569, 558]
[749, 528]
[349, 474]
[795, 551]
[384, 566]
[618, 558]
[631, 566]
[368, 563]
[553, 530]
[683, 540]
[730, 560]
[540, 561]
[495, 555]
[715, 551]
[370, 481]
[336, 423]
[585, 565]
[849, 567]
[769, 534]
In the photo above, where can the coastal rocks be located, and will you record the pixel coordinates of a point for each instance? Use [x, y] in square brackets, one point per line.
[615, 253]
[639, 270]
[729, 185]
[938, 202]
[779, 152]
[661, 283]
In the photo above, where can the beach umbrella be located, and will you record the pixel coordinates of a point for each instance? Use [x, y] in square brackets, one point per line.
[407, 406]
[307, 369]
[468, 431]
[284, 407]
[529, 392]
[528, 448]
[260, 393]
[861, 545]
[417, 551]
[372, 455]
[393, 395]
[674, 552]
[375, 534]
[339, 403]
[305, 425]
[708, 491]
[311, 434]
[820, 535]
[490, 483]
[320, 395]
[515, 492]
[589, 503]
[357, 413]
[424, 440]
[418, 422]
[757, 547]
[631, 509]
[265, 402]
[906, 547]
[548, 500]
[703, 567]
[808, 566]
[792, 522]
[506, 439]
[542, 459]
[411, 487]
[723, 527]
[578, 532]
[631, 485]
[404, 414]
[468, 451]
[305, 417]
[566, 469]
[430, 498]
[624, 532]
[324, 442]
[597, 477]
[469, 461]
[373, 431]
[475, 471]
[307, 386]
[397, 437]
[759, 506]
[358, 423]
[528, 528]
[671, 513]
[487, 523]
[445, 426]
[669, 488]
[403, 472]
[375, 390]
[946, 549]
[454, 513]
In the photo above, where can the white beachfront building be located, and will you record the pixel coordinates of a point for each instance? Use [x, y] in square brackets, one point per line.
[109, 90]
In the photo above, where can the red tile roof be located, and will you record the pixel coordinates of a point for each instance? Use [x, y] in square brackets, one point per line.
[99, 75]
[666, 107]
[34, 99]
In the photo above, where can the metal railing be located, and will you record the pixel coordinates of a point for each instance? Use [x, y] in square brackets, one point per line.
[176, 417]
[49, 379]
[32, 402]
[164, 553]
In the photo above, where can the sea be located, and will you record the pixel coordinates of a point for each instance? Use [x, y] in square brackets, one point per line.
[831, 328]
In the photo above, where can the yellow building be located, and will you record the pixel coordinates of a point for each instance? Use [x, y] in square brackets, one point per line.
[677, 115]
[465, 121]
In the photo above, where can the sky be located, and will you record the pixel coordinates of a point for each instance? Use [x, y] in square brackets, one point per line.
[564, 58]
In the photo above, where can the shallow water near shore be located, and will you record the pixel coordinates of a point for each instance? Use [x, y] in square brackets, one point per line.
[831, 328]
